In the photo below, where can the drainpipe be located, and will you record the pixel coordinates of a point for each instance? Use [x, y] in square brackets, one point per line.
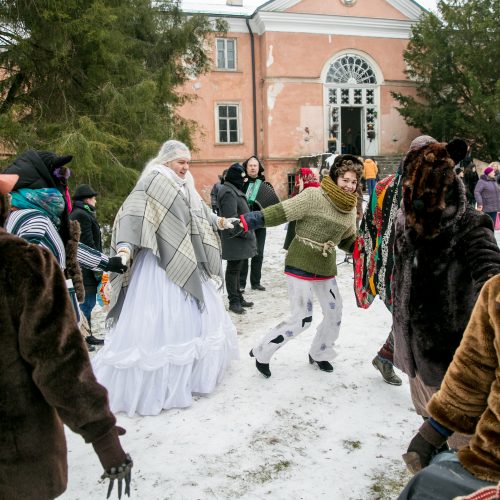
[254, 88]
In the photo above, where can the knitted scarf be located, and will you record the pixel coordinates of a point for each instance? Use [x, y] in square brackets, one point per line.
[342, 200]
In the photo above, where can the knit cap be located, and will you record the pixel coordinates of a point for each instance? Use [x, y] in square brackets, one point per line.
[236, 175]
[488, 170]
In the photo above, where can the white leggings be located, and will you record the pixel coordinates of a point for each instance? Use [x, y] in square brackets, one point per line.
[300, 293]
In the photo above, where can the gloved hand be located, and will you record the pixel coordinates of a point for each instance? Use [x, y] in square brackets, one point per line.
[117, 464]
[115, 265]
[423, 447]
[124, 254]
[252, 220]
[227, 223]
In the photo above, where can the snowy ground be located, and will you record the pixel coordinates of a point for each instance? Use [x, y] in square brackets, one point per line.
[302, 434]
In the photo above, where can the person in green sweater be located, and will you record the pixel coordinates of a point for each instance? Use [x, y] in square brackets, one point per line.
[326, 218]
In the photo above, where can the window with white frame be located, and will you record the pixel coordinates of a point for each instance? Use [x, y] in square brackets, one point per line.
[228, 123]
[226, 53]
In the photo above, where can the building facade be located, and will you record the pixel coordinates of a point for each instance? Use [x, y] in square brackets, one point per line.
[301, 77]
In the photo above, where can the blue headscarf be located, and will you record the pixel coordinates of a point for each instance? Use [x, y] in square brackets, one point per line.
[49, 201]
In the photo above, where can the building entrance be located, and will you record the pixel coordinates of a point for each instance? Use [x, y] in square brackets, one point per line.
[351, 131]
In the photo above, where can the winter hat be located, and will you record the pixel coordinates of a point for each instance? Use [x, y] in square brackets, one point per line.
[421, 141]
[488, 170]
[83, 191]
[308, 178]
[236, 175]
[7, 182]
[173, 150]
[56, 165]
[429, 177]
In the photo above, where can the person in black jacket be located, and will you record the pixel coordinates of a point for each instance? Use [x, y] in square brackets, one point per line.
[255, 173]
[84, 202]
[237, 246]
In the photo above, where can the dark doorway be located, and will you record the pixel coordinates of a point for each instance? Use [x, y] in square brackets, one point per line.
[351, 130]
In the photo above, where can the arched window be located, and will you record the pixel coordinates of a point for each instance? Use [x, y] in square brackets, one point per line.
[351, 69]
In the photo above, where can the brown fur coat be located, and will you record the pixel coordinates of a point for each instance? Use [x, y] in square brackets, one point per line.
[45, 375]
[469, 398]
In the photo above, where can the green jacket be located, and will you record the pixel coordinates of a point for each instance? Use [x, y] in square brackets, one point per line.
[319, 220]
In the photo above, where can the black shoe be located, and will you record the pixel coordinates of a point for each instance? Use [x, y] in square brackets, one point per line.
[91, 340]
[236, 308]
[259, 287]
[262, 367]
[90, 348]
[241, 289]
[324, 366]
[245, 303]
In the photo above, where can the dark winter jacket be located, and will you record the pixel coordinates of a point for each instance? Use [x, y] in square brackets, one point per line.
[236, 244]
[213, 196]
[46, 378]
[90, 235]
[487, 193]
[436, 283]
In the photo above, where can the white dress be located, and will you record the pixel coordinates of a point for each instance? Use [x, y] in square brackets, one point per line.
[163, 348]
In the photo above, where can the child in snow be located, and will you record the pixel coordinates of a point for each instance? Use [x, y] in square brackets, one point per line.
[326, 218]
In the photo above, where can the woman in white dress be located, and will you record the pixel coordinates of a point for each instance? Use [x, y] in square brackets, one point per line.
[170, 334]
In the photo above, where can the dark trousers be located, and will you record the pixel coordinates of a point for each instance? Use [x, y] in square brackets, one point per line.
[256, 262]
[493, 216]
[233, 280]
[89, 303]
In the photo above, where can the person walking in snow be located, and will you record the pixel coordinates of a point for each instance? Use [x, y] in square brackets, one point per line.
[443, 254]
[170, 334]
[374, 256]
[326, 218]
[370, 173]
[487, 193]
[45, 376]
[237, 246]
[84, 208]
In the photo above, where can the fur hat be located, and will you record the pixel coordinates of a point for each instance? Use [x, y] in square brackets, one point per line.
[428, 179]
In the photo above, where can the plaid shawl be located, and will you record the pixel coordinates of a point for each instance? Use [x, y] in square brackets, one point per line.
[157, 215]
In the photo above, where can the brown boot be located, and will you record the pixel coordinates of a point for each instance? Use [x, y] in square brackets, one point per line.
[387, 371]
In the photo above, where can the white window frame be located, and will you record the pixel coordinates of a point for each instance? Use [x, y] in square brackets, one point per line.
[239, 127]
[225, 66]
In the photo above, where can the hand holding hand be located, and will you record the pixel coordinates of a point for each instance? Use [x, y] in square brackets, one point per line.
[115, 265]
[124, 254]
[227, 223]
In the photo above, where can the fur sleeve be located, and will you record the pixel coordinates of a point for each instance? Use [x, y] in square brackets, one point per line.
[51, 343]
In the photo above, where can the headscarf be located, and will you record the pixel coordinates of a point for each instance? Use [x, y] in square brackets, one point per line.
[49, 201]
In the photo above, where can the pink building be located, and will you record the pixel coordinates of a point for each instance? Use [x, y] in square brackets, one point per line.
[300, 77]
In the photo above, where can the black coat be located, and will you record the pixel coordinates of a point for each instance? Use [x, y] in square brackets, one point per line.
[90, 236]
[236, 245]
[436, 284]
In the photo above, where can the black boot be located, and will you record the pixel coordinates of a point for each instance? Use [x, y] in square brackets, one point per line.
[262, 367]
[324, 366]
[236, 308]
[91, 340]
[245, 303]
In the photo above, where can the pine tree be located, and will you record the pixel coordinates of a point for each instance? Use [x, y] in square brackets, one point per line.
[454, 59]
[99, 79]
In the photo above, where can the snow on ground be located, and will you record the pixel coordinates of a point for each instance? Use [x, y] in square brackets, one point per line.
[302, 434]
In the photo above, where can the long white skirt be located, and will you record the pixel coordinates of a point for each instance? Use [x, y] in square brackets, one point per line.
[163, 348]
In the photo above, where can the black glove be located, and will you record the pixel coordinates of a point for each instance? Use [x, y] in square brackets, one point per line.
[423, 447]
[115, 265]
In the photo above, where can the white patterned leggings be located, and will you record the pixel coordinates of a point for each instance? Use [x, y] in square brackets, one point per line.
[300, 293]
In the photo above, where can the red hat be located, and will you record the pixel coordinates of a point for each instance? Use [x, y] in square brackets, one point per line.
[308, 178]
[7, 182]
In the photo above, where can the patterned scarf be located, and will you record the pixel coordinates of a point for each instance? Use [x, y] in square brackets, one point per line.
[49, 201]
[343, 200]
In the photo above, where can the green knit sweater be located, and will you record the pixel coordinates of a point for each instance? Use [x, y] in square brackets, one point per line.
[319, 220]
